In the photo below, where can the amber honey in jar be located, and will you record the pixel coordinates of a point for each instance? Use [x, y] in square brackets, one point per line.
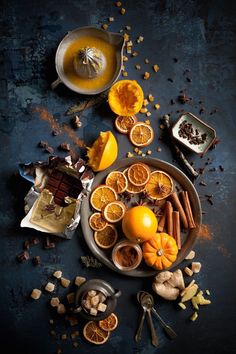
[127, 255]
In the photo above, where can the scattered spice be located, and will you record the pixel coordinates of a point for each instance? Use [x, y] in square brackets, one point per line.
[169, 79]
[175, 60]
[49, 149]
[90, 261]
[202, 183]
[221, 168]
[186, 131]
[205, 232]
[183, 98]
[48, 244]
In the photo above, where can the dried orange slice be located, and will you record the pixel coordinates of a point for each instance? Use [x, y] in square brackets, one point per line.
[97, 222]
[124, 123]
[117, 180]
[141, 134]
[138, 174]
[159, 186]
[110, 323]
[131, 188]
[107, 237]
[114, 211]
[94, 334]
[101, 196]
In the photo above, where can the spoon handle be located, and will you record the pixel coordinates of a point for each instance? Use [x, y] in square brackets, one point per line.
[169, 331]
[155, 341]
[140, 327]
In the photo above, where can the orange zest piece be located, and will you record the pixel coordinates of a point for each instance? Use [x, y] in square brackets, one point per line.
[159, 186]
[131, 188]
[96, 222]
[94, 334]
[141, 134]
[138, 174]
[101, 196]
[124, 123]
[114, 211]
[107, 237]
[110, 323]
[117, 180]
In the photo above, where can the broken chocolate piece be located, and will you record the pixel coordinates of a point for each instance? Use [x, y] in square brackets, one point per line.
[48, 244]
[43, 144]
[64, 146]
[23, 256]
[49, 149]
[36, 260]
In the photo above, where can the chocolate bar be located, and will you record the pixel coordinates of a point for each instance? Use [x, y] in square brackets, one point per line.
[62, 185]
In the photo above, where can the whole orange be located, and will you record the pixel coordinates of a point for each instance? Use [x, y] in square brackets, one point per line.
[139, 224]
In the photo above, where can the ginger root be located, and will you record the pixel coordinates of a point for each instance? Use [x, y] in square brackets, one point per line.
[168, 284]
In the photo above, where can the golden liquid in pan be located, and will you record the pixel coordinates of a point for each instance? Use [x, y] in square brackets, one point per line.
[109, 52]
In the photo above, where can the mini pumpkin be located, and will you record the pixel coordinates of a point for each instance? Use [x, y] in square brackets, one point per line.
[125, 97]
[160, 251]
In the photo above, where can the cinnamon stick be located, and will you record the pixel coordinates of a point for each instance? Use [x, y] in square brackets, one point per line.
[169, 219]
[175, 199]
[162, 221]
[176, 228]
[188, 209]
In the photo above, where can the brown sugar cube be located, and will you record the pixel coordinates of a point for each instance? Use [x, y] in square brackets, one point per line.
[65, 282]
[93, 311]
[36, 293]
[54, 302]
[61, 309]
[79, 280]
[95, 300]
[57, 274]
[102, 307]
[50, 287]
[71, 298]
[92, 293]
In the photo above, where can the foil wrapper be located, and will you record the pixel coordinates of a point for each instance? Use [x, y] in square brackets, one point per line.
[38, 174]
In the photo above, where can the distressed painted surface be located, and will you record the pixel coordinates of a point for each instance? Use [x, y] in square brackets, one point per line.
[201, 34]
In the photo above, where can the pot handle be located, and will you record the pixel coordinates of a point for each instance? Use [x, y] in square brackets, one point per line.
[55, 83]
[77, 310]
[116, 294]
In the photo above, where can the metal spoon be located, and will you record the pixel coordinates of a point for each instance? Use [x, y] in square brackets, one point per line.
[140, 327]
[168, 330]
[147, 304]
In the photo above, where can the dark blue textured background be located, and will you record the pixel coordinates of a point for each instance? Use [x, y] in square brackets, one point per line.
[202, 35]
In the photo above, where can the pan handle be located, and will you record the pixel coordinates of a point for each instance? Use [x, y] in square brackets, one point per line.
[55, 83]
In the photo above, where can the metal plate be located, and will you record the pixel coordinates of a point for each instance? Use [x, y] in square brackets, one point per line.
[179, 179]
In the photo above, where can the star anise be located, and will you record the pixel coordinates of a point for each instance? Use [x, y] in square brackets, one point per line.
[161, 188]
[158, 212]
[141, 202]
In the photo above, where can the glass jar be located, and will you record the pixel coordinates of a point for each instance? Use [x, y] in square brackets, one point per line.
[127, 255]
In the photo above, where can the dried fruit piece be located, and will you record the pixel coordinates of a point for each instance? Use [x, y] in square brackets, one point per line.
[79, 280]
[155, 68]
[65, 282]
[101, 196]
[117, 180]
[107, 237]
[157, 106]
[110, 323]
[141, 134]
[124, 123]
[159, 186]
[114, 211]
[54, 302]
[50, 287]
[138, 174]
[61, 309]
[122, 11]
[146, 75]
[194, 316]
[94, 334]
[70, 298]
[97, 222]
[36, 293]
[57, 274]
